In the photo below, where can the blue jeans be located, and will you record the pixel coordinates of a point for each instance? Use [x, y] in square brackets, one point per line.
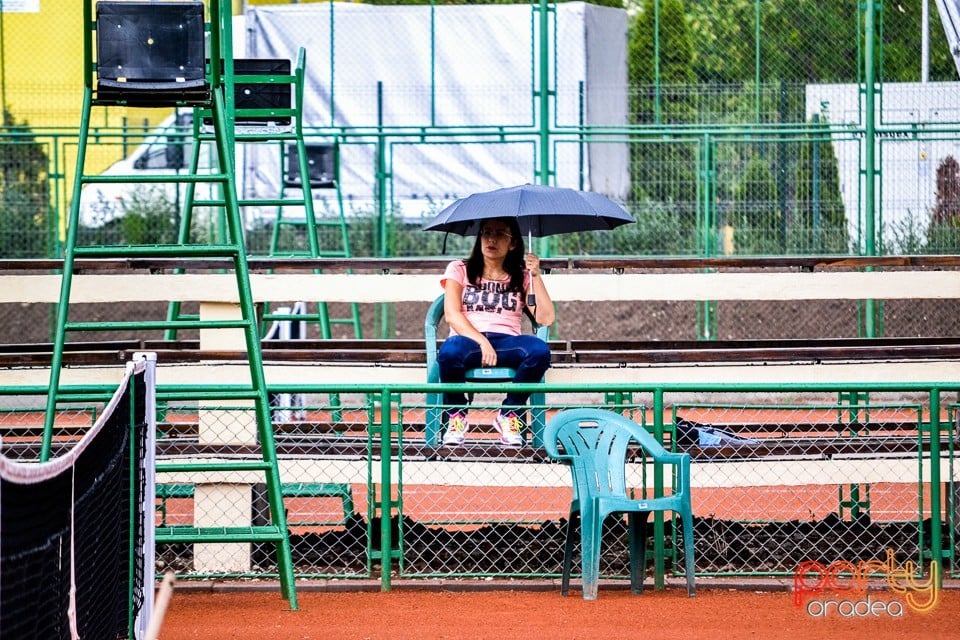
[526, 354]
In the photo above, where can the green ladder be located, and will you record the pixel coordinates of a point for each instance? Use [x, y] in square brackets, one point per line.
[318, 166]
[137, 39]
[270, 115]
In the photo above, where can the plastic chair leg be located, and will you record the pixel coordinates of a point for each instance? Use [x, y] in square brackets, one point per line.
[590, 537]
[688, 559]
[573, 523]
[636, 534]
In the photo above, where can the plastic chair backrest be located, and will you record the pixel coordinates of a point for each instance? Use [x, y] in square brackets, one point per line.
[150, 41]
[150, 54]
[596, 442]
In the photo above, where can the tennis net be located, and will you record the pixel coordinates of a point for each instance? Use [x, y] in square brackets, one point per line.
[76, 552]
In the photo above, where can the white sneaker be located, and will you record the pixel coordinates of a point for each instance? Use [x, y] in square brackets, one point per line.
[456, 429]
[509, 426]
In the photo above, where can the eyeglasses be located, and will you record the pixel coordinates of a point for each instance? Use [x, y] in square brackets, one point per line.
[494, 234]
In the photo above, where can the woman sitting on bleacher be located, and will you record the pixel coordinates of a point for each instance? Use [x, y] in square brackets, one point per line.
[485, 297]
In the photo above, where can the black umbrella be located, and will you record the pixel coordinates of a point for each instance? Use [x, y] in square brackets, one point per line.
[539, 210]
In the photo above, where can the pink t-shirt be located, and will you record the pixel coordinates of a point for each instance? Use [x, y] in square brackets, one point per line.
[489, 307]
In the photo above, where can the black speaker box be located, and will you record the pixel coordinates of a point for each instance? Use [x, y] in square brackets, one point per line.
[320, 161]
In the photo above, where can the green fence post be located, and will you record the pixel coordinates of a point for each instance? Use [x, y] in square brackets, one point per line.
[386, 482]
[658, 550]
[937, 552]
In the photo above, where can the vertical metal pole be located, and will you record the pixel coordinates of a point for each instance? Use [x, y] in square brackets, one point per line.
[937, 552]
[545, 151]
[331, 105]
[386, 323]
[707, 215]
[381, 179]
[658, 528]
[870, 134]
[657, 110]
[544, 89]
[782, 171]
[815, 191]
[756, 59]
[386, 487]
[706, 317]
[925, 41]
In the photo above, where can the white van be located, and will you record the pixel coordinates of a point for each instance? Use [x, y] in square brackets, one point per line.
[167, 151]
[263, 171]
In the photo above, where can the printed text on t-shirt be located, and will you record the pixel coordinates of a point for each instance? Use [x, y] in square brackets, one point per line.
[491, 297]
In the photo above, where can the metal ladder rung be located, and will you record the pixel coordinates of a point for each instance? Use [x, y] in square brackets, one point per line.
[276, 202]
[267, 533]
[157, 179]
[303, 223]
[216, 467]
[162, 250]
[241, 136]
[248, 202]
[158, 324]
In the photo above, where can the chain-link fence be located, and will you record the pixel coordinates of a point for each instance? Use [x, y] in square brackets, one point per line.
[325, 452]
[778, 478]
[725, 129]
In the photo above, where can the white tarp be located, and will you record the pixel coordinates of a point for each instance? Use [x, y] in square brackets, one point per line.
[908, 163]
[477, 67]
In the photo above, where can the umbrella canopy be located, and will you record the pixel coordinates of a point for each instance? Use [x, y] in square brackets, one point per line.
[540, 211]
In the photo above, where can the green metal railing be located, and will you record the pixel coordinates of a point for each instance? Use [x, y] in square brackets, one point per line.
[383, 417]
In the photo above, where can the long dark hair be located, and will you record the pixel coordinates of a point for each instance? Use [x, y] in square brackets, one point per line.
[513, 263]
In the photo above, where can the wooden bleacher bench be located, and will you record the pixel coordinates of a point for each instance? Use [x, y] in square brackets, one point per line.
[413, 280]
[565, 352]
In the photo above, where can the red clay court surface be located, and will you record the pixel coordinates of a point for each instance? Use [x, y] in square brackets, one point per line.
[345, 610]
[717, 613]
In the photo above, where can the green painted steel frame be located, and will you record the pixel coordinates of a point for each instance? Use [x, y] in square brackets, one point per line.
[221, 105]
[385, 436]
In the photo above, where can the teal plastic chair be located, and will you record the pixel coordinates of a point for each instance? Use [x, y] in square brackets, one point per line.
[595, 443]
[434, 413]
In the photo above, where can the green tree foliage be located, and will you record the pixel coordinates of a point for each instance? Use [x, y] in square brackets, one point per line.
[819, 224]
[149, 217]
[674, 67]
[24, 193]
[901, 35]
[814, 41]
[662, 172]
[810, 41]
[756, 216]
[725, 40]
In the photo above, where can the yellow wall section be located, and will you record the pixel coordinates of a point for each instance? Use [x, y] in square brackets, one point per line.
[43, 79]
